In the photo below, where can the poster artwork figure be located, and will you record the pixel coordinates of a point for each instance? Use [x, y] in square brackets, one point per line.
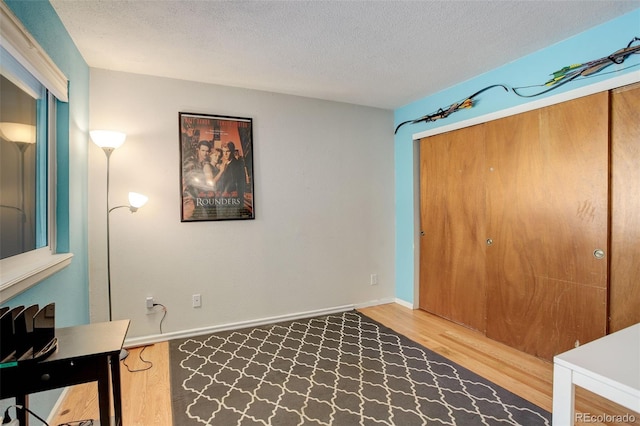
[232, 176]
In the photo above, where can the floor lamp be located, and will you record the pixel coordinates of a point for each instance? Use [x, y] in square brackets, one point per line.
[109, 141]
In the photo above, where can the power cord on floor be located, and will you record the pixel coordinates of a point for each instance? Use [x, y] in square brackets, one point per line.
[149, 366]
[6, 420]
[149, 363]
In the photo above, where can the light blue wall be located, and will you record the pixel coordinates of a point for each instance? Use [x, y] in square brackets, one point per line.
[69, 289]
[532, 69]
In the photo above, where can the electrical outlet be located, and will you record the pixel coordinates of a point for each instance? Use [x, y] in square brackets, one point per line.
[149, 305]
[196, 301]
[373, 280]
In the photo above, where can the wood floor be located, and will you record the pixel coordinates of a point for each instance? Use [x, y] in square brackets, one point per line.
[146, 395]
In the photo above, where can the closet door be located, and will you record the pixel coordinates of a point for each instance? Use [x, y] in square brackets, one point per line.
[625, 208]
[547, 213]
[452, 253]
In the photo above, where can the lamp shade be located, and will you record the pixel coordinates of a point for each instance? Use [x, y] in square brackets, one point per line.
[107, 138]
[137, 200]
[18, 132]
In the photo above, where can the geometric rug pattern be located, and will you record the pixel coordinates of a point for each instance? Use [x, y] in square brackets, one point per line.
[340, 369]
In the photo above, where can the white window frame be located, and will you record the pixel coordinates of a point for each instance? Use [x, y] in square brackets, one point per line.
[21, 272]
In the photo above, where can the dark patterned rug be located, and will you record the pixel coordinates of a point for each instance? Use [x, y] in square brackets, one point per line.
[341, 369]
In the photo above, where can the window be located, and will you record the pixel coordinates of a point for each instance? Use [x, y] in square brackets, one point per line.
[23, 167]
[30, 86]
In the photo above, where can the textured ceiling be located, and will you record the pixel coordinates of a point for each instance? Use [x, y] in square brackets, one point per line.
[376, 53]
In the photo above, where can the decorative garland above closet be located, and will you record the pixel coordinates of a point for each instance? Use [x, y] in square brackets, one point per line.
[559, 78]
[445, 112]
[572, 72]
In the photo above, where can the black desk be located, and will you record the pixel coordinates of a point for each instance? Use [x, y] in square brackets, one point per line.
[85, 353]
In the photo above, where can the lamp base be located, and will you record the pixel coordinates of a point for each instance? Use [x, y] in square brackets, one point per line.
[123, 354]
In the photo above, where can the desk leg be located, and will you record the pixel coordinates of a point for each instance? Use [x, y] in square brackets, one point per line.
[563, 396]
[103, 393]
[21, 415]
[115, 383]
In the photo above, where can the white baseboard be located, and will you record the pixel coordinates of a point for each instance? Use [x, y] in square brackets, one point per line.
[57, 405]
[404, 303]
[146, 340]
[374, 303]
[155, 338]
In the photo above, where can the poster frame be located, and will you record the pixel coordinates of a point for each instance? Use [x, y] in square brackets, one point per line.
[216, 185]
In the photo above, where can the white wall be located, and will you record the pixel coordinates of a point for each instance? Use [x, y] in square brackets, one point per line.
[323, 199]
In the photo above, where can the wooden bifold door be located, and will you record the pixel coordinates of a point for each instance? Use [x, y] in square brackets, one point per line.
[624, 279]
[515, 226]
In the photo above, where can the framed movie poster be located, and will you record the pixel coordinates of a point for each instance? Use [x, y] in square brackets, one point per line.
[216, 167]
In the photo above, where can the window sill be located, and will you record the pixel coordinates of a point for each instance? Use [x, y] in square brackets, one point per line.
[21, 272]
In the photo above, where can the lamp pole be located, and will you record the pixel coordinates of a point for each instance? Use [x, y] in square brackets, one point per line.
[108, 151]
[108, 141]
